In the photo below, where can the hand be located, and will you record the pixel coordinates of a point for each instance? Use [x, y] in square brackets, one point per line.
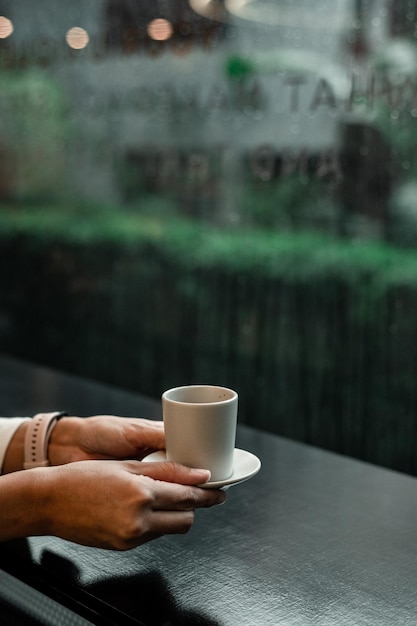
[104, 437]
[135, 502]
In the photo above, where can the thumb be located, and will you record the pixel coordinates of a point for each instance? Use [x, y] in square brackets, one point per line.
[174, 473]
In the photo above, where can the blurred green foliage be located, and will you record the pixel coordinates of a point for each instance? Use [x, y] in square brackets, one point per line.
[33, 131]
[301, 254]
[291, 202]
[318, 335]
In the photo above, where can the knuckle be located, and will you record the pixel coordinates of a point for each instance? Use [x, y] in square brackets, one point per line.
[145, 494]
[131, 533]
[121, 545]
[194, 497]
[133, 523]
[146, 500]
[190, 498]
[172, 468]
[188, 521]
[165, 471]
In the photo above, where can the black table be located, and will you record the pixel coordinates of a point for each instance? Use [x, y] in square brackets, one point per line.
[314, 538]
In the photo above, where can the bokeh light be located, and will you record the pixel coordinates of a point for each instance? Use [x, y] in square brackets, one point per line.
[77, 38]
[160, 29]
[6, 27]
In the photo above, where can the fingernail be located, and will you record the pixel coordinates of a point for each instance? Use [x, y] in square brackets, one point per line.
[201, 472]
[222, 499]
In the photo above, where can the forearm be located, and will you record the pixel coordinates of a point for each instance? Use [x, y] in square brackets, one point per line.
[73, 439]
[65, 441]
[14, 456]
[23, 504]
[63, 445]
[140, 502]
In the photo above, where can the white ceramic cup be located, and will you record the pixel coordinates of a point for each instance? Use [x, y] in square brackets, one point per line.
[200, 427]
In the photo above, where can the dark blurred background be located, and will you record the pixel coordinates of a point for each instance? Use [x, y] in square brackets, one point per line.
[221, 192]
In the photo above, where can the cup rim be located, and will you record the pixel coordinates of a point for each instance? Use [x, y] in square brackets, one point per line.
[233, 394]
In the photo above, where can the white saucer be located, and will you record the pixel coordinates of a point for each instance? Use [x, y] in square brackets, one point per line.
[245, 465]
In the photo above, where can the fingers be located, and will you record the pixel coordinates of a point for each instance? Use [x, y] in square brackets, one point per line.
[111, 437]
[172, 472]
[147, 435]
[161, 523]
[167, 507]
[171, 523]
[173, 506]
[174, 497]
[178, 486]
[153, 427]
[141, 502]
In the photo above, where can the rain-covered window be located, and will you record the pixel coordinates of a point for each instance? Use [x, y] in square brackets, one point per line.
[219, 191]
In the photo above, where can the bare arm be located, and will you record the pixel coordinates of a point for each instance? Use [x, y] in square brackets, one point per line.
[13, 459]
[90, 495]
[96, 437]
[136, 502]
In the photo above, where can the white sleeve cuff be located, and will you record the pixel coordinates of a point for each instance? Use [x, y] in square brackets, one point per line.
[8, 427]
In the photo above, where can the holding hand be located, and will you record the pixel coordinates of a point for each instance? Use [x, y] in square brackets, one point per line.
[93, 495]
[104, 437]
[92, 438]
[106, 504]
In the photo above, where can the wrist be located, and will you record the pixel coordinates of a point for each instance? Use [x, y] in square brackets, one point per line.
[15, 453]
[24, 501]
[64, 443]
[37, 437]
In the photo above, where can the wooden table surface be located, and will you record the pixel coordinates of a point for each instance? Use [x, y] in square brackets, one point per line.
[314, 538]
